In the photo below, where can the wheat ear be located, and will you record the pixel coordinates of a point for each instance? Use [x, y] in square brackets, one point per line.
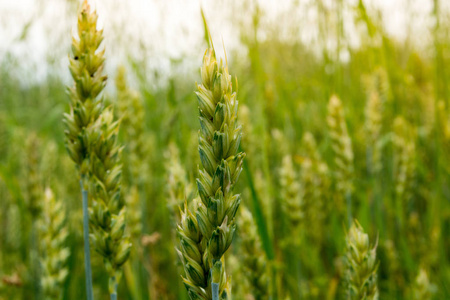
[53, 238]
[205, 237]
[343, 152]
[362, 265]
[292, 201]
[91, 135]
[253, 258]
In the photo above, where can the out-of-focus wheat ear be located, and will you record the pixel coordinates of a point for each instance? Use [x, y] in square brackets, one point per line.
[54, 252]
[422, 288]
[178, 188]
[341, 144]
[131, 111]
[403, 165]
[34, 203]
[253, 258]
[33, 179]
[314, 183]
[362, 265]
[291, 197]
[373, 125]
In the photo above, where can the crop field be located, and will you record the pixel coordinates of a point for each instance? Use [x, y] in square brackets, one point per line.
[267, 160]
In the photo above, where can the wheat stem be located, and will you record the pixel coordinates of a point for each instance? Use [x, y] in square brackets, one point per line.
[87, 251]
[113, 288]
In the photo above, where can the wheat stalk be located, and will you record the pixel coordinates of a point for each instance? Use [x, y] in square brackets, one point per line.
[205, 237]
[362, 265]
[53, 236]
[343, 152]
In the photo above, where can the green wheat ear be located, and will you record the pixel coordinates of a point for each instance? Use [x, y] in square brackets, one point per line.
[254, 261]
[341, 144]
[373, 126]
[91, 140]
[422, 289]
[86, 67]
[362, 265]
[291, 196]
[107, 213]
[404, 165]
[207, 232]
[53, 237]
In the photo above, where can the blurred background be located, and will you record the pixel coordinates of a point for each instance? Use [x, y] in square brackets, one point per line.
[289, 58]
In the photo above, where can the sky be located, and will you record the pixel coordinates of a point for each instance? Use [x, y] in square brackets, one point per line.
[162, 32]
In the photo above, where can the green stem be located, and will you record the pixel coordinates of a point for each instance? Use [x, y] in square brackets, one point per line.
[113, 288]
[87, 252]
[215, 291]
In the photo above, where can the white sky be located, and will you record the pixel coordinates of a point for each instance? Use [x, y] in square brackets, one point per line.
[166, 30]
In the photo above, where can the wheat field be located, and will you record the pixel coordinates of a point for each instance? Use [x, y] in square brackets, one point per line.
[269, 167]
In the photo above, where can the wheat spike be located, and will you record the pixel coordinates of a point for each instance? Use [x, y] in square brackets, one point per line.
[54, 252]
[132, 114]
[314, 184]
[362, 265]
[253, 258]
[373, 125]
[404, 157]
[205, 237]
[422, 289]
[91, 140]
[290, 193]
[107, 213]
[178, 188]
[343, 152]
